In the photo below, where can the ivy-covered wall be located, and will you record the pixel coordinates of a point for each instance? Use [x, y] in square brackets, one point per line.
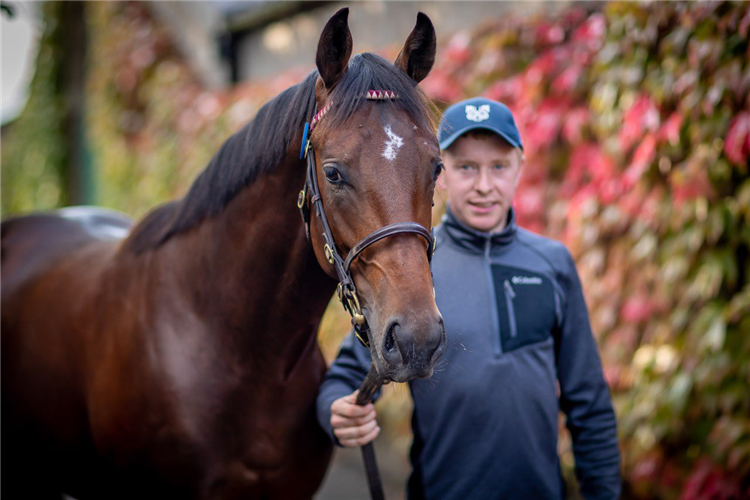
[636, 123]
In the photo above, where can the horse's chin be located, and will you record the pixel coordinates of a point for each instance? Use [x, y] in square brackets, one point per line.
[409, 375]
[402, 374]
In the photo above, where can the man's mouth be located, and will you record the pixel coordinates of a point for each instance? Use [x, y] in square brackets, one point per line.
[483, 206]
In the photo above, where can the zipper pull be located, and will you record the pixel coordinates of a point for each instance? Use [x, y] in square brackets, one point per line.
[510, 290]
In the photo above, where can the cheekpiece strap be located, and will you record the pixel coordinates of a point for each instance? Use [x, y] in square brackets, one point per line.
[319, 115]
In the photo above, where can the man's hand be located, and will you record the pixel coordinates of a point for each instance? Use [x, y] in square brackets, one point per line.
[353, 425]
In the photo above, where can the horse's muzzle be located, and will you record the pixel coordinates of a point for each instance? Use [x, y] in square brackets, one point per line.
[411, 348]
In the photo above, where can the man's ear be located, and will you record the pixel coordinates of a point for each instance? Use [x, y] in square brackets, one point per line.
[521, 165]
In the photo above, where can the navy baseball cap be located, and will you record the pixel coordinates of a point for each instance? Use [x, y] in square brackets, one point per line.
[478, 113]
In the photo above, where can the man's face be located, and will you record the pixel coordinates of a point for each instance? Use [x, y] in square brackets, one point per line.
[481, 175]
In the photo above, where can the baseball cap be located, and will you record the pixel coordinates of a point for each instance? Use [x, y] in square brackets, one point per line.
[478, 113]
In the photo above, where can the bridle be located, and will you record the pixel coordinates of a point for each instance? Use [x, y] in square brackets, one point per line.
[310, 193]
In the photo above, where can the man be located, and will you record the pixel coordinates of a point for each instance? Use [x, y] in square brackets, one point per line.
[520, 346]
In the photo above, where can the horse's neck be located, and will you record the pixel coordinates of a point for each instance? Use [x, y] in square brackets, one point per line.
[250, 272]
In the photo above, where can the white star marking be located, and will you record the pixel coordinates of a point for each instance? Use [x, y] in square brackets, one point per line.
[392, 145]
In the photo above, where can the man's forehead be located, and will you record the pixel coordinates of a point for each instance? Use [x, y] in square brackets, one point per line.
[468, 143]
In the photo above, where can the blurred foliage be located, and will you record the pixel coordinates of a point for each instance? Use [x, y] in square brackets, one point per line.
[152, 126]
[33, 153]
[636, 124]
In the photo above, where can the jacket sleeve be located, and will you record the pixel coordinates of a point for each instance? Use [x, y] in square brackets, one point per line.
[584, 395]
[346, 375]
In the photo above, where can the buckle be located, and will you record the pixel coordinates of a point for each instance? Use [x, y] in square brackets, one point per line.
[363, 340]
[328, 252]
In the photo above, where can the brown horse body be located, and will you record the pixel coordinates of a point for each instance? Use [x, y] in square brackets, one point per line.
[181, 361]
[165, 367]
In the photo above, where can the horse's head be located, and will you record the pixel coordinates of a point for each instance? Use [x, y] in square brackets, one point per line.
[376, 162]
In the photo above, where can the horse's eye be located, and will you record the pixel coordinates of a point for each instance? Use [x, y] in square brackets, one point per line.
[438, 168]
[332, 175]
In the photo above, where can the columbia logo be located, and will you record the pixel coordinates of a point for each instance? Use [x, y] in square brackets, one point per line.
[526, 280]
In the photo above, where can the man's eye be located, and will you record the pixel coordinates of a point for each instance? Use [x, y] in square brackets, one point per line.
[465, 167]
[332, 175]
[499, 166]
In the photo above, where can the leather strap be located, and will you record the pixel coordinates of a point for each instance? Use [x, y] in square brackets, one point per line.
[369, 387]
[385, 232]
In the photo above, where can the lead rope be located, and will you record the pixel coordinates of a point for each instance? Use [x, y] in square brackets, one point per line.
[369, 387]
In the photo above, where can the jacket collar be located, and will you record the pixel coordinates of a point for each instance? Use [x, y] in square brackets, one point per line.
[478, 241]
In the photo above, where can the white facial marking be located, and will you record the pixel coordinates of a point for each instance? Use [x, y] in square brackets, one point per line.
[392, 145]
[416, 128]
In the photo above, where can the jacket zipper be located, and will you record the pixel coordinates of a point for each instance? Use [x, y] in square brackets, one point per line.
[495, 330]
[509, 296]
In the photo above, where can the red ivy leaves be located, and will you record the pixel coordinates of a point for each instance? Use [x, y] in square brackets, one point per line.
[642, 159]
[592, 32]
[670, 131]
[549, 34]
[508, 90]
[589, 165]
[708, 480]
[576, 120]
[642, 117]
[737, 142]
[441, 86]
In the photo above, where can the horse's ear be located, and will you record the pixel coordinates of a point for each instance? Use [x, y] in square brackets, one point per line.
[334, 49]
[418, 55]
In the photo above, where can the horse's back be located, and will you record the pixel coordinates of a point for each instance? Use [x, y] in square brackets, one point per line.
[51, 264]
[33, 243]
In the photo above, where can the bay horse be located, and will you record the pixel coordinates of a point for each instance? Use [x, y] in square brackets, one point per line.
[177, 357]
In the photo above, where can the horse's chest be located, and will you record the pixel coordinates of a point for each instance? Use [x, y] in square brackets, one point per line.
[254, 419]
[269, 442]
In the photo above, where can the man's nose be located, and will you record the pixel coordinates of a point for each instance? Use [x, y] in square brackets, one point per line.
[483, 181]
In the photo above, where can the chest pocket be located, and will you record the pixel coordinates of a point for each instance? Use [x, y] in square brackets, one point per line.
[526, 306]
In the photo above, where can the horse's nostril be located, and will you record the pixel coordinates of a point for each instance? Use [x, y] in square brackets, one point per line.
[390, 339]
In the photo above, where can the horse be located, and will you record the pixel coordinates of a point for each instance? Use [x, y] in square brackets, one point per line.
[177, 357]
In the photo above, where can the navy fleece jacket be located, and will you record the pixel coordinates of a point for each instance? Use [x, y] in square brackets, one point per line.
[485, 424]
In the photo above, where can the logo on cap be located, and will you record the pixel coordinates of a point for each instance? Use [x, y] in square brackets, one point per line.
[478, 115]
